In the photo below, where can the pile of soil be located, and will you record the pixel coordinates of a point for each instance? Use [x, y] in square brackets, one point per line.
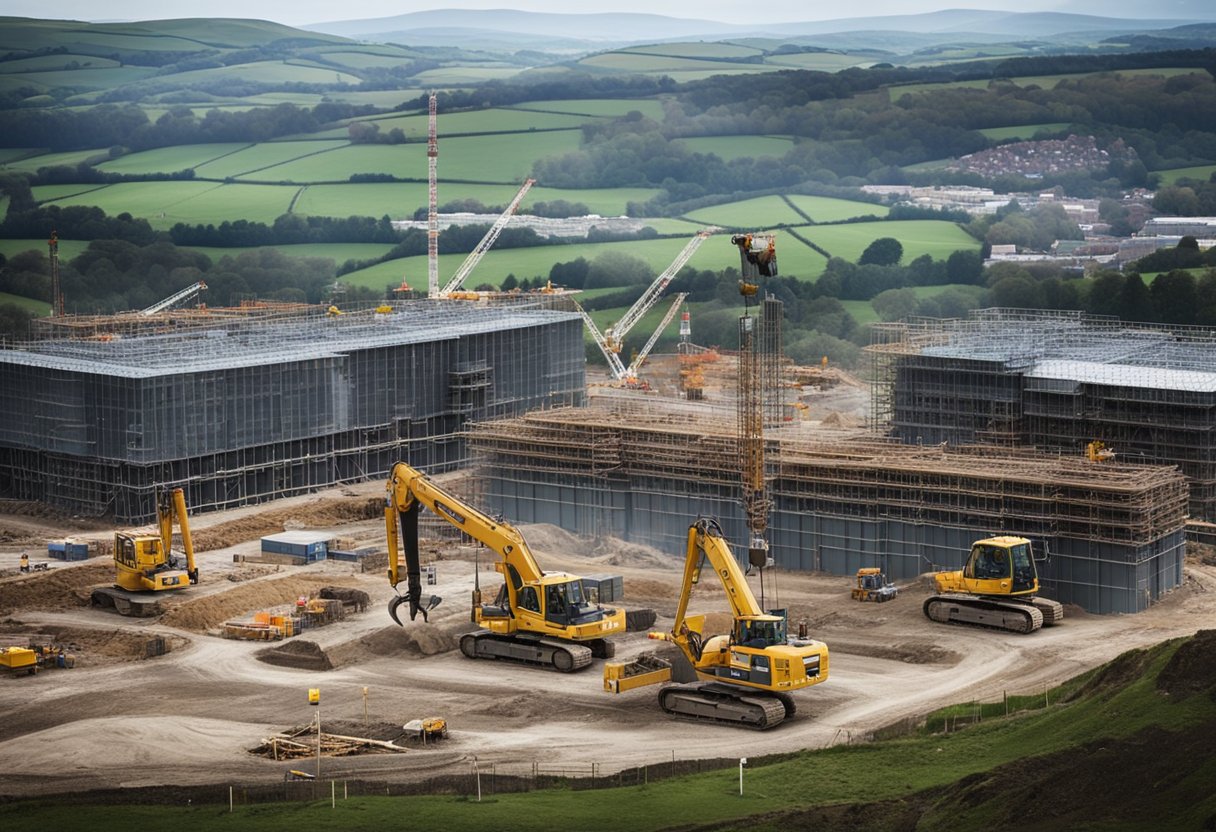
[316, 514]
[387, 642]
[210, 611]
[297, 653]
[61, 588]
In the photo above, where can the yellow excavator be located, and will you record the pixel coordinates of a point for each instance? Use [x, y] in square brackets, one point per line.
[537, 618]
[146, 564]
[744, 677]
[997, 587]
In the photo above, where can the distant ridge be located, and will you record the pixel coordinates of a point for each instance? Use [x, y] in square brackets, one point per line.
[652, 28]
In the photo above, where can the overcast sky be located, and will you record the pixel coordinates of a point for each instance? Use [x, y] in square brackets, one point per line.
[296, 12]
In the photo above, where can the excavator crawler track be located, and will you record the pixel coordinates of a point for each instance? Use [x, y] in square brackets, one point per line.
[715, 702]
[562, 656]
[1010, 616]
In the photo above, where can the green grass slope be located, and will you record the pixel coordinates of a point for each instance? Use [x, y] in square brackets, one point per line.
[1125, 747]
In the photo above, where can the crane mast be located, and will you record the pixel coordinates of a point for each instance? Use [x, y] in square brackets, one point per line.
[432, 216]
[56, 291]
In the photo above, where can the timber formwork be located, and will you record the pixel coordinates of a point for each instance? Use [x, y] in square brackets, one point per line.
[1115, 532]
[1055, 381]
[255, 409]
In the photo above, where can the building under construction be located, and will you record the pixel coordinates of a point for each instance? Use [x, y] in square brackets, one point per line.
[1055, 381]
[1114, 532]
[244, 409]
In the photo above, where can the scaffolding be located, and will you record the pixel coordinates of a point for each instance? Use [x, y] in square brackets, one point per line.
[254, 408]
[1055, 381]
[644, 472]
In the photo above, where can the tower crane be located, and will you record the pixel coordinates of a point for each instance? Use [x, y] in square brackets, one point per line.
[486, 243]
[611, 340]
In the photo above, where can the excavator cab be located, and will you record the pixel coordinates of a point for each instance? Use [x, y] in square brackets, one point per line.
[997, 587]
[760, 631]
[1001, 567]
[565, 604]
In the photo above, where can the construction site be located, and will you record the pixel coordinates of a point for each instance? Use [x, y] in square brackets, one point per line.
[573, 509]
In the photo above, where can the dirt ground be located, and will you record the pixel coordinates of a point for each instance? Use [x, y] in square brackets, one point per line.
[192, 715]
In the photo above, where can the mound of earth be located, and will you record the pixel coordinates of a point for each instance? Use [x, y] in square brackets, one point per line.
[210, 611]
[1192, 669]
[317, 514]
[297, 653]
[61, 588]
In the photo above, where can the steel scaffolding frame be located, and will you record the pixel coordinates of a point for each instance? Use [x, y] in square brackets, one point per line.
[644, 472]
[253, 409]
[1056, 381]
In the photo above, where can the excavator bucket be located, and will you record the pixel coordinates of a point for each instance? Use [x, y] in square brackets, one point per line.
[418, 602]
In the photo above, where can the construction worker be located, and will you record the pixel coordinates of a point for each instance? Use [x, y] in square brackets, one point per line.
[25, 562]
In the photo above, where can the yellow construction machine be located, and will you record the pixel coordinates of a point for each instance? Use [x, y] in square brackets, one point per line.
[744, 677]
[538, 618]
[872, 585]
[146, 564]
[997, 587]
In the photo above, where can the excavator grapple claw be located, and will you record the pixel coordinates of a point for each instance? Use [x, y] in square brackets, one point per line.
[424, 605]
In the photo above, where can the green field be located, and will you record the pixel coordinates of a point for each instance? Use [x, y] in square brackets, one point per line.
[697, 49]
[170, 159]
[1172, 175]
[269, 72]
[100, 78]
[456, 76]
[510, 159]
[937, 238]
[829, 209]
[749, 213]
[37, 307]
[164, 204]
[481, 121]
[1043, 81]
[254, 158]
[629, 61]
[818, 61]
[338, 252]
[41, 63]
[70, 157]
[738, 147]
[1025, 131]
[46, 193]
[607, 107]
